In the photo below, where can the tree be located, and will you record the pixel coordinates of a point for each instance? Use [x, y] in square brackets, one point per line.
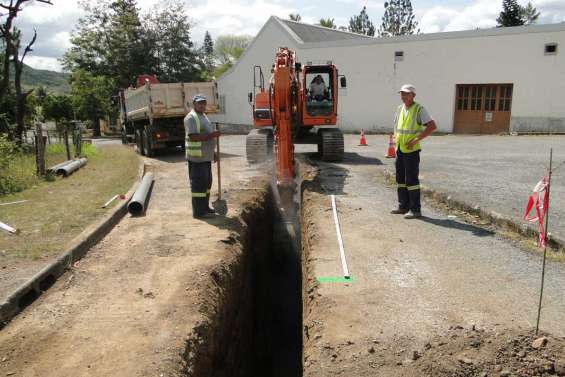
[91, 96]
[110, 40]
[530, 14]
[174, 57]
[328, 22]
[511, 14]
[57, 107]
[11, 40]
[295, 17]
[228, 49]
[361, 24]
[398, 19]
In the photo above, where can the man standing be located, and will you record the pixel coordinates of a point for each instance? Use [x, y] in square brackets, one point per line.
[412, 124]
[200, 152]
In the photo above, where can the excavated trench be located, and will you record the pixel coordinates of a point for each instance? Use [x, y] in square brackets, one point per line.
[253, 311]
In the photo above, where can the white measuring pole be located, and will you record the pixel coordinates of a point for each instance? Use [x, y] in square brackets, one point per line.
[339, 240]
[110, 201]
[8, 228]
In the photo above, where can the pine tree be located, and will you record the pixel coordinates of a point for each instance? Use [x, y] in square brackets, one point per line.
[328, 22]
[398, 19]
[530, 14]
[511, 15]
[361, 24]
[208, 52]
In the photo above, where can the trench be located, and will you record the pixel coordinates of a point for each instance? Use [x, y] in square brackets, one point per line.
[255, 326]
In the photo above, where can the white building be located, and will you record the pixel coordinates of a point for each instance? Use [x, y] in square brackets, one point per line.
[479, 81]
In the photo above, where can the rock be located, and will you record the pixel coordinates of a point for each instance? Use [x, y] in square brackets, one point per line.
[505, 373]
[464, 360]
[371, 350]
[539, 342]
[559, 367]
[521, 354]
[427, 346]
[415, 355]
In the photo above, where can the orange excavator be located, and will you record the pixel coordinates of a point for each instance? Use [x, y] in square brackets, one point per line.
[299, 107]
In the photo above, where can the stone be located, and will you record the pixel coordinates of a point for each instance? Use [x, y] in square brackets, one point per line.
[559, 367]
[539, 342]
[505, 373]
[371, 350]
[415, 355]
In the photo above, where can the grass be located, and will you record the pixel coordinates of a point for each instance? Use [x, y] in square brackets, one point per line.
[57, 211]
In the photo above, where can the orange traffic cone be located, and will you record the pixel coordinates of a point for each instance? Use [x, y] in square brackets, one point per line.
[391, 153]
[362, 140]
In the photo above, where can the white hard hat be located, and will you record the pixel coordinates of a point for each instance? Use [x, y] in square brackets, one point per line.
[407, 88]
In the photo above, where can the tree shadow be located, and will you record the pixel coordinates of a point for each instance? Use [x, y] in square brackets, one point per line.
[452, 224]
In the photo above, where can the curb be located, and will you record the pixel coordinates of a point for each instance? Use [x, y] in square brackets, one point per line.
[496, 218]
[26, 293]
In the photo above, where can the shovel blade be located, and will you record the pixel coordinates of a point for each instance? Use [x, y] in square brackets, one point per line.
[221, 207]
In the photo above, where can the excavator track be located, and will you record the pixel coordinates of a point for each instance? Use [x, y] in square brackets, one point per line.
[259, 146]
[331, 145]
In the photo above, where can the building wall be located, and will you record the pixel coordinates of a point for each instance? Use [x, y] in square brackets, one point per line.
[235, 85]
[434, 66]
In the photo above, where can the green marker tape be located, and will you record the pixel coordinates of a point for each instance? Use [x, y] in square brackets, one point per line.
[334, 279]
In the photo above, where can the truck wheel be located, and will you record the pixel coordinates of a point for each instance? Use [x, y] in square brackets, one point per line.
[147, 149]
[139, 142]
[124, 137]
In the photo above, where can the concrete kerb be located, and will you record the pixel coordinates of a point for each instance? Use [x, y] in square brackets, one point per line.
[493, 217]
[41, 281]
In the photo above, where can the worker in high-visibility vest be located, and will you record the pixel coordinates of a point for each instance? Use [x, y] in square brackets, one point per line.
[413, 123]
[200, 147]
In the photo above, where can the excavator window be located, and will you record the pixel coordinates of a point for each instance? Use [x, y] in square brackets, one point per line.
[319, 92]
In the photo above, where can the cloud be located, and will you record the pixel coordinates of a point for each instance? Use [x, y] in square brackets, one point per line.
[482, 14]
[43, 62]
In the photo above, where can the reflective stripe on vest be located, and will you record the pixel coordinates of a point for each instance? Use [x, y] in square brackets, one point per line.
[193, 148]
[407, 127]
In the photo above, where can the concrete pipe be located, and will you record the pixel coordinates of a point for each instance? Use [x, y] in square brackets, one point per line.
[69, 169]
[136, 205]
[56, 168]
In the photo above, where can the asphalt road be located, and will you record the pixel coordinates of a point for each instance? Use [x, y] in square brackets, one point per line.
[497, 173]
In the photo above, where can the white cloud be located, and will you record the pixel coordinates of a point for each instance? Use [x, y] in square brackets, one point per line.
[482, 14]
[43, 62]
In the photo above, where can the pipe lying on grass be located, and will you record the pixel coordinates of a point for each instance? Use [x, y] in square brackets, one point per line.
[57, 167]
[138, 202]
[70, 168]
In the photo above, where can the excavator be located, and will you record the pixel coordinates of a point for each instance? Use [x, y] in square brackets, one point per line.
[289, 113]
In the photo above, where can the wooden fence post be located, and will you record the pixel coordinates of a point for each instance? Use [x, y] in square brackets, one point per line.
[66, 137]
[40, 150]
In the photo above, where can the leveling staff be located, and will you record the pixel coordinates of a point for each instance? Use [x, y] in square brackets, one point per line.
[200, 146]
[412, 124]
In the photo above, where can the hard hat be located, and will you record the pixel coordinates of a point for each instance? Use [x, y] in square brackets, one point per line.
[199, 98]
[407, 88]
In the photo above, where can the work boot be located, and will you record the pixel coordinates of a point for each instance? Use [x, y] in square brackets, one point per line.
[413, 215]
[206, 215]
[211, 210]
[399, 211]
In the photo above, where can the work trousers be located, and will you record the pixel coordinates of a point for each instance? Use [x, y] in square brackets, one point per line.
[200, 176]
[408, 183]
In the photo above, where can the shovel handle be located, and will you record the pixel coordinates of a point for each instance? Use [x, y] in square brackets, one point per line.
[218, 163]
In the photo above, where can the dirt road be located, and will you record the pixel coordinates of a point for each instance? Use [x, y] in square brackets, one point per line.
[414, 281]
[128, 307]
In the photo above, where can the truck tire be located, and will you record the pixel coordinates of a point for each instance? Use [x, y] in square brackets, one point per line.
[139, 142]
[147, 148]
[259, 145]
[330, 146]
[124, 137]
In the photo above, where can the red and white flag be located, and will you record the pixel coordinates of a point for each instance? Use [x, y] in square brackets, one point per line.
[539, 199]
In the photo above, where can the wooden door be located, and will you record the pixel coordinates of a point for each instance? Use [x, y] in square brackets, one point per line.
[482, 108]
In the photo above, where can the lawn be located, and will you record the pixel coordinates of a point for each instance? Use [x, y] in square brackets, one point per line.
[55, 212]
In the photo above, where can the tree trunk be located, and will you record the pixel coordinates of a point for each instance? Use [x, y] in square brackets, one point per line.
[95, 126]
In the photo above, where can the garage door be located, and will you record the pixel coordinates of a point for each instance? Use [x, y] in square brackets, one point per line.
[483, 108]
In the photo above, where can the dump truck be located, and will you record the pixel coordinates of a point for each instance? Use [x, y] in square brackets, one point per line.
[152, 114]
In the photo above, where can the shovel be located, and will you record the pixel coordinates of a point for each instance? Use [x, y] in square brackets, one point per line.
[220, 206]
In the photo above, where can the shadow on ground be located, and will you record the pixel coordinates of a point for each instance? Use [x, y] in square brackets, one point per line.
[452, 224]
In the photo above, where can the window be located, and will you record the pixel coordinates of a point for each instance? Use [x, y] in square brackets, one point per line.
[505, 98]
[399, 56]
[463, 97]
[490, 98]
[476, 97]
[551, 48]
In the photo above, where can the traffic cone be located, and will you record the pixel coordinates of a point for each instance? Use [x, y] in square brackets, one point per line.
[362, 140]
[391, 153]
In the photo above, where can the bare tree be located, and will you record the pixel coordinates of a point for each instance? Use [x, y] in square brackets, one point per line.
[11, 37]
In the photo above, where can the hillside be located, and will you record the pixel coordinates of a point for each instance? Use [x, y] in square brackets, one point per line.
[57, 82]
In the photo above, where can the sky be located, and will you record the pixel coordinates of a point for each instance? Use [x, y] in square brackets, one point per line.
[54, 24]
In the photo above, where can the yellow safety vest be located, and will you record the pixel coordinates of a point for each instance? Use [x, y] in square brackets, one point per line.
[407, 127]
[193, 148]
